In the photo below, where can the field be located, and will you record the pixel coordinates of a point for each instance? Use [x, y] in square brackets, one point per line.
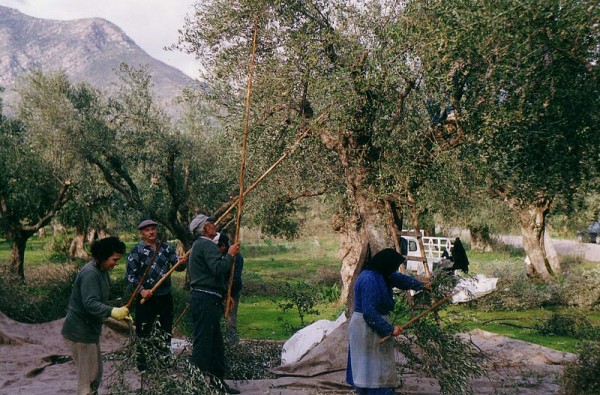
[272, 265]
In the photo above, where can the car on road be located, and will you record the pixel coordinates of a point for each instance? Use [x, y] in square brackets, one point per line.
[591, 234]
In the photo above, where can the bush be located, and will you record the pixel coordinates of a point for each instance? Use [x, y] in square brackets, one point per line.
[255, 285]
[576, 326]
[44, 299]
[581, 288]
[57, 249]
[583, 375]
[515, 291]
[301, 297]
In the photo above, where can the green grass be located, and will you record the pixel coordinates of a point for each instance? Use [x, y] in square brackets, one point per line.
[260, 318]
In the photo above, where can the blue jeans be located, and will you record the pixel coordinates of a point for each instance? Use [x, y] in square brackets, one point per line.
[208, 353]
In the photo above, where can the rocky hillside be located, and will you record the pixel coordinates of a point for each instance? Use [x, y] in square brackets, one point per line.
[86, 49]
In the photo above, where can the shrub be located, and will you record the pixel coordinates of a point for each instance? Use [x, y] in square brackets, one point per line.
[255, 285]
[583, 375]
[57, 250]
[44, 299]
[581, 288]
[515, 291]
[576, 326]
[301, 297]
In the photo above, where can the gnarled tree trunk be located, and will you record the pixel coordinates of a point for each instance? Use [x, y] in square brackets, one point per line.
[77, 247]
[480, 238]
[543, 259]
[17, 258]
[369, 228]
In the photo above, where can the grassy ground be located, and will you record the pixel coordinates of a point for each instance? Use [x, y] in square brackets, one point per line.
[270, 264]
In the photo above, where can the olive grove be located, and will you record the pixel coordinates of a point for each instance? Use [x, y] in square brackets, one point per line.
[505, 93]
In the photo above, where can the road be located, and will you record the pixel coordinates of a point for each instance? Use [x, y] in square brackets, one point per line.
[587, 251]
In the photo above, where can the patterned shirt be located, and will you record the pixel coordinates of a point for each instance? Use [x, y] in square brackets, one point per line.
[137, 262]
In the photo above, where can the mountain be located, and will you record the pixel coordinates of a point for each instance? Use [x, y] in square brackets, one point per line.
[86, 49]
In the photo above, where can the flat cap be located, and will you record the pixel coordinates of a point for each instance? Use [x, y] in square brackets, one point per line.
[145, 223]
[199, 221]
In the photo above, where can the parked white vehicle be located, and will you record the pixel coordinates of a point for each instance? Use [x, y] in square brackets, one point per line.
[433, 247]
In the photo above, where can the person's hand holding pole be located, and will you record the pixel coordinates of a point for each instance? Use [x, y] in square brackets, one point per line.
[181, 261]
[234, 249]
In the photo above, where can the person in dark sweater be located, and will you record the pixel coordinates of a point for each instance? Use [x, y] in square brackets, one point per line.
[207, 269]
[88, 307]
[371, 366]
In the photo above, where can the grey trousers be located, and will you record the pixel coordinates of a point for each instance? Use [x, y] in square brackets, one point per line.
[88, 359]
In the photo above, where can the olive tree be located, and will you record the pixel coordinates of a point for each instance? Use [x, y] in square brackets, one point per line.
[347, 65]
[128, 145]
[33, 188]
[522, 79]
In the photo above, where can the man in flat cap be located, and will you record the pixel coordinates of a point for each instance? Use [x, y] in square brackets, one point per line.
[207, 269]
[157, 310]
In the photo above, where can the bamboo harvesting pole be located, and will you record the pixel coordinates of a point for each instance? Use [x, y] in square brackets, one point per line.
[287, 152]
[242, 165]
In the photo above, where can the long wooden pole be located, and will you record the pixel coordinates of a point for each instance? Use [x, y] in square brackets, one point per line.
[166, 275]
[181, 315]
[242, 166]
[420, 315]
[150, 262]
[287, 152]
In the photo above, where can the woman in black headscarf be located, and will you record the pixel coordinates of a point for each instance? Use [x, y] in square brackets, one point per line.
[371, 367]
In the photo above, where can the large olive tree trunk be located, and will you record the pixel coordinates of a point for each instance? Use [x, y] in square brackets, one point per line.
[77, 247]
[366, 229]
[17, 258]
[543, 259]
[366, 225]
[480, 238]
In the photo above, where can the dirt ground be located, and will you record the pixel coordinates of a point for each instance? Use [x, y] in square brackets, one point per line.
[32, 362]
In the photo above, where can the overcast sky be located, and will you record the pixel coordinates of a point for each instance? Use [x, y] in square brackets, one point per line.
[152, 24]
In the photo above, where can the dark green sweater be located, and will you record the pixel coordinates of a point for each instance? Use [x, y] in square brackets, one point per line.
[88, 305]
[208, 267]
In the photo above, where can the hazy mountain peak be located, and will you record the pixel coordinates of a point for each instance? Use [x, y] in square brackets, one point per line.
[87, 49]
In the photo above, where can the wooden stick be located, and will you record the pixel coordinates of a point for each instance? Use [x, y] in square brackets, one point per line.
[420, 315]
[135, 291]
[288, 151]
[242, 165]
[182, 314]
[166, 275]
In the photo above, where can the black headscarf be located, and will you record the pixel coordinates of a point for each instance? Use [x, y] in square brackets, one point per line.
[459, 256]
[386, 262]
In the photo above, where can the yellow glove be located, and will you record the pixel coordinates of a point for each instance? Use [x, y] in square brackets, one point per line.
[120, 313]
